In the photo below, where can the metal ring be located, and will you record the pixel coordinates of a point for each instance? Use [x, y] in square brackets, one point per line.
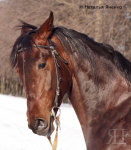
[58, 111]
[52, 47]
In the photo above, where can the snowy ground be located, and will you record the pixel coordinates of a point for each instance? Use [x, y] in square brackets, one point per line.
[15, 135]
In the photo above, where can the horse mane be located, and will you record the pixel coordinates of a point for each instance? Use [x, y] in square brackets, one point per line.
[84, 46]
[76, 42]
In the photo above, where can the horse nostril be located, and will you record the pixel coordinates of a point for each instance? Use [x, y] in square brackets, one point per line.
[41, 124]
[38, 126]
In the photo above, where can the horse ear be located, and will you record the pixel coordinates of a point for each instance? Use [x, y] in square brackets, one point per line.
[46, 28]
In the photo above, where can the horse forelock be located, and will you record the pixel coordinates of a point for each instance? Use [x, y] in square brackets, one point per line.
[24, 41]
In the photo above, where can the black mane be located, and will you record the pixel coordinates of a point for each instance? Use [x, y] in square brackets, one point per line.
[78, 42]
[84, 45]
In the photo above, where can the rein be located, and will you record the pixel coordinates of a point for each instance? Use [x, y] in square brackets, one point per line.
[56, 117]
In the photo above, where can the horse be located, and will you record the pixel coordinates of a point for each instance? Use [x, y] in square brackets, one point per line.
[54, 61]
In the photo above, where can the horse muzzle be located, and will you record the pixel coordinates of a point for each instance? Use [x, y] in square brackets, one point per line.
[41, 127]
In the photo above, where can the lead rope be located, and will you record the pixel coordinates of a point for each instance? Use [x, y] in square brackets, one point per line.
[57, 121]
[56, 118]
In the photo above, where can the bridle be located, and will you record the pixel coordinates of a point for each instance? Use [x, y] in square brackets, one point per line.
[55, 54]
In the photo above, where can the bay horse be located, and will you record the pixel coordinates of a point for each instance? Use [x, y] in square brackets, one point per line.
[54, 61]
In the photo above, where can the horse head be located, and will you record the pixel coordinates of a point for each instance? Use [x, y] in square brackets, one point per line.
[44, 73]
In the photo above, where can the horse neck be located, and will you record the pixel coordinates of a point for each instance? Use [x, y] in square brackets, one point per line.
[76, 96]
[89, 99]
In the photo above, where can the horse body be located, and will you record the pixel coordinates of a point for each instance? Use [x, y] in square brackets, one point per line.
[98, 85]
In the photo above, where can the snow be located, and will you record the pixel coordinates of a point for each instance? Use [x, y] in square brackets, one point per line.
[15, 135]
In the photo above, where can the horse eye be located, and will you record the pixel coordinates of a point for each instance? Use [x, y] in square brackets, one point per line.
[42, 65]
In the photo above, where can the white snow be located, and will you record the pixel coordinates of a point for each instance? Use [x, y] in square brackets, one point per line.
[15, 135]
